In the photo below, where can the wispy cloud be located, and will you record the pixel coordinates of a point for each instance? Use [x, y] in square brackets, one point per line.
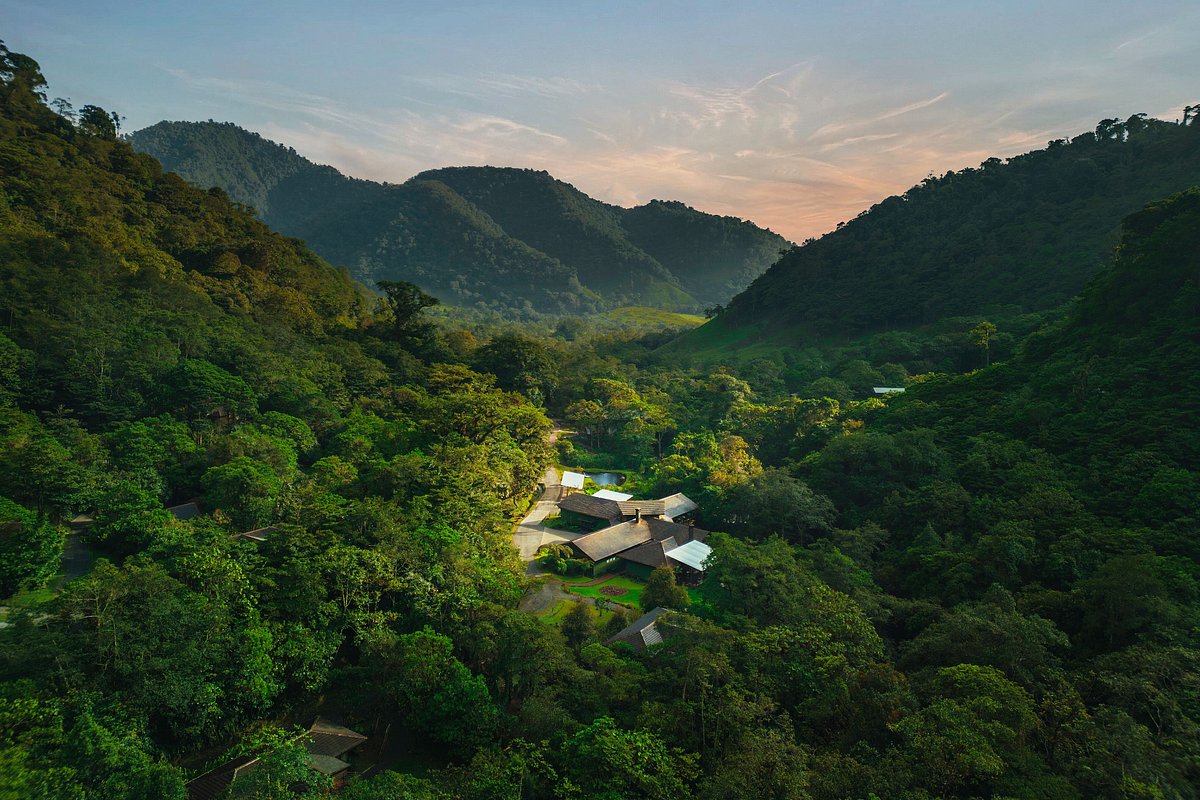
[797, 145]
[908, 109]
[1134, 40]
[866, 137]
[502, 126]
[277, 97]
[500, 84]
[771, 100]
[532, 85]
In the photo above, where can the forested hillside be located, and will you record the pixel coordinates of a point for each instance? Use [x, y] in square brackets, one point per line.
[1021, 538]
[714, 258]
[557, 219]
[161, 345]
[1008, 237]
[505, 239]
[985, 587]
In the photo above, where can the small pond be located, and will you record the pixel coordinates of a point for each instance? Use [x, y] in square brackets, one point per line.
[606, 478]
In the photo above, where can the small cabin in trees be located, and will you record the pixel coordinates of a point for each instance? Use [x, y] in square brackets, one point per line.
[642, 632]
[184, 511]
[257, 535]
[654, 627]
[325, 742]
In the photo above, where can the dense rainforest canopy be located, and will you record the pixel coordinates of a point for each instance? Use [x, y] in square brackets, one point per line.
[514, 240]
[985, 587]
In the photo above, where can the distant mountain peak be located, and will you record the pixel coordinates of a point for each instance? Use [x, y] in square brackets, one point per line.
[505, 238]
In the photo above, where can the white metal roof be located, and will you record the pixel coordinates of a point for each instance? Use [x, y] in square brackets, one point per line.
[887, 389]
[692, 554]
[609, 494]
[676, 504]
[572, 480]
[651, 635]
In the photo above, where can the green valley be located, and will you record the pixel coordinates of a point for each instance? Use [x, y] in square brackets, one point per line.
[319, 487]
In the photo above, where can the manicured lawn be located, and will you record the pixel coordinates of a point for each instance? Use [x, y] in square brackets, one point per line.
[632, 596]
[633, 590]
[557, 612]
[573, 579]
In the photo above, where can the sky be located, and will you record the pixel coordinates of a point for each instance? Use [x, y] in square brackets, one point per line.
[795, 115]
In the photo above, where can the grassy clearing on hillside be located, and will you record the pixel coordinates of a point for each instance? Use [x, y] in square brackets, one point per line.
[715, 341]
[643, 317]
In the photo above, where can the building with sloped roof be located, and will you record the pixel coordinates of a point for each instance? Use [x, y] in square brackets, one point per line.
[636, 545]
[587, 509]
[634, 535]
[608, 509]
[643, 632]
[691, 556]
[184, 511]
[602, 547]
[609, 494]
[678, 505]
[216, 781]
[256, 535]
[325, 742]
[672, 543]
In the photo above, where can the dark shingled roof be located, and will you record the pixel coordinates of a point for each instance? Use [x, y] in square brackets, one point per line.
[652, 554]
[666, 536]
[603, 508]
[616, 539]
[597, 507]
[213, 783]
[661, 529]
[185, 511]
[649, 508]
[642, 632]
[324, 741]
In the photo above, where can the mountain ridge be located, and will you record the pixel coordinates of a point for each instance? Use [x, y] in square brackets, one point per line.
[519, 240]
[1026, 233]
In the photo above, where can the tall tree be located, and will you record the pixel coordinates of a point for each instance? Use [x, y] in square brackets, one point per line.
[982, 335]
[662, 590]
[405, 302]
